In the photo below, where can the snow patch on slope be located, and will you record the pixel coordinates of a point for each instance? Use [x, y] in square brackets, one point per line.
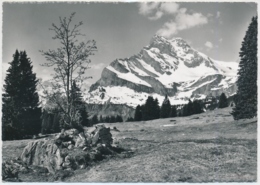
[128, 76]
[125, 95]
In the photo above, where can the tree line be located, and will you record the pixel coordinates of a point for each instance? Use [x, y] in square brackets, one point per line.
[151, 109]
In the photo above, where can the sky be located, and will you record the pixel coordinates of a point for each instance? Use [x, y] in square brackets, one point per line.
[123, 29]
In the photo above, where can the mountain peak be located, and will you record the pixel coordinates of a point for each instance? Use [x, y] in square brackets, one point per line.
[166, 66]
[158, 40]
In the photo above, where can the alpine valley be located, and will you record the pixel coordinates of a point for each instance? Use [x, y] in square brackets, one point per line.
[164, 67]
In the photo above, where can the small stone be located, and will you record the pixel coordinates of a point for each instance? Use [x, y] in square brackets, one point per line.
[82, 166]
[67, 158]
[70, 147]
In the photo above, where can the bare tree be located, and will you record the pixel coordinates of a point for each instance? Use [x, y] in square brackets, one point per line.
[69, 61]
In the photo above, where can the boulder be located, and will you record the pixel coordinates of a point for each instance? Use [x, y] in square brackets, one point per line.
[102, 135]
[81, 141]
[43, 153]
[68, 150]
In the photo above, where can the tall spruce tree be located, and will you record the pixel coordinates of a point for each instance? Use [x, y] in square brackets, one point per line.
[94, 120]
[151, 109]
[119, 119]
[138, 113]
[173, 112]
[21, 112]
[165, 108]
[246, 97]
[223, 101]
[147, 110]
[10, 112]
[79, 105]
[156, 109]
[197, 107]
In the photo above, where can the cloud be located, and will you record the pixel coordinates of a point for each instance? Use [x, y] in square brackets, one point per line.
[147, 8]
[158, 15]
[185, 21]
[210, 15]
[168, 29]
[170, 8]
[182, 21]
[155, 11]
[97, 66]
[209, 45]
[220, 40]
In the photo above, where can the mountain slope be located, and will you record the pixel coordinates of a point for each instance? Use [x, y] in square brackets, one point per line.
[164, 67]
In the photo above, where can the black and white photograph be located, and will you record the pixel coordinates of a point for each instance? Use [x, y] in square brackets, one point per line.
[129, 91]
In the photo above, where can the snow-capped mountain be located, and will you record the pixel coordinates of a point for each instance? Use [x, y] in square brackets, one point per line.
[169, 67]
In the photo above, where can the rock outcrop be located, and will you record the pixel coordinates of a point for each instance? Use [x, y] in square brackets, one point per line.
[69, 149]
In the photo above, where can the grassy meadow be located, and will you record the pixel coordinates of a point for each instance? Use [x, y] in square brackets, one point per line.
[208, 147]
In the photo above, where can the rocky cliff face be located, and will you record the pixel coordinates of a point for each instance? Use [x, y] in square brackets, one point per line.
[163, 67]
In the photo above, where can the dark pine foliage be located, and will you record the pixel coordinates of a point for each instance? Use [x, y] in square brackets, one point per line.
[151, 109]
[223, 101]
[94, 120]
[246, 99]
[197, 107]
[21, 112]
[119, 119]
[112, 119]
[101, 120]
[173, 112]
[107, 118]
[79, 105]
[165, 108]
[130, 119]
[47, 120]
[138, 113]
[188, 109]
[156, 110]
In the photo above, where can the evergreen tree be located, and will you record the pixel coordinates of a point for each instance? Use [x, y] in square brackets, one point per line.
[173, 112]
[119, 119]
[94, 120]
[188, 109]
[156, 109]
[101, 119]
[112, 119]
[45, 124]
[197, 107]
[84, 117]
[21, 112]
[151, 109]
[56, 123]
[165, 108]
[79, 105]
[147, 110]
[246, 100]
[138, 113]
[223, 101]
[107, 119]
[130, 119]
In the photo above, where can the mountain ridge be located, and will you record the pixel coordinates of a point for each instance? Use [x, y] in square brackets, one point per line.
[163, 67]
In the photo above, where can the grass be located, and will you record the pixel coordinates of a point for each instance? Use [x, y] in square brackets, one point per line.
[208, 147]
